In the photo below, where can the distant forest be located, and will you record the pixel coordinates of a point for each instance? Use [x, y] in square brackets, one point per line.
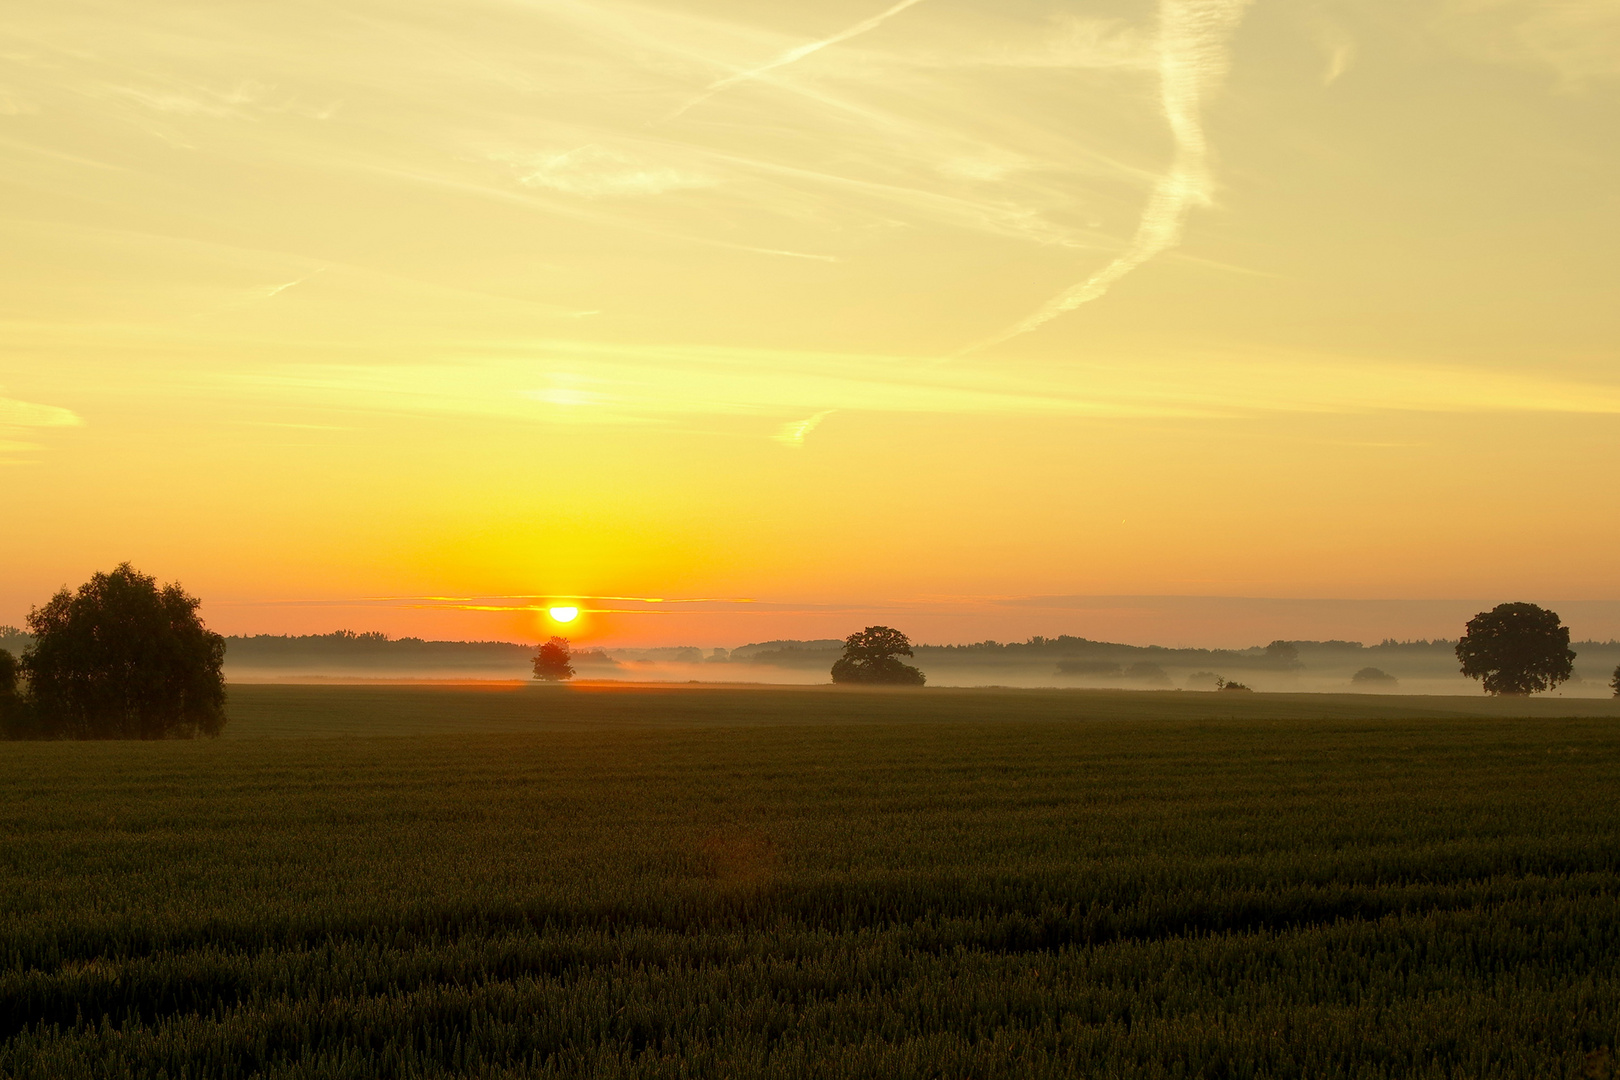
[1278, 656]
[1077, 656]
[347, 649]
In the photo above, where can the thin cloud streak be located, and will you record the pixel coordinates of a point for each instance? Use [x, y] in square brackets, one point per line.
[1192, 60]
[795, 54]
[793, 433]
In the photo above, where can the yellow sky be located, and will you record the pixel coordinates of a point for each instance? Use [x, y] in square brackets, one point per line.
[840, 308]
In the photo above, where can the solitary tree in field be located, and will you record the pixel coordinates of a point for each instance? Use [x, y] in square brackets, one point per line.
[873, 656]
[1516, 649]
[551, 662]
[122, 658]
[1614, 683]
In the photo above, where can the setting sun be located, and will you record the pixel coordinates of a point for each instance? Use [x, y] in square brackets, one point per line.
[563, 614]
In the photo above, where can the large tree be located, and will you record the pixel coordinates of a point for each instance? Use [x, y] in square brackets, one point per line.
[551, 663]
[122, 658]
[1516, 649]
[873, 656]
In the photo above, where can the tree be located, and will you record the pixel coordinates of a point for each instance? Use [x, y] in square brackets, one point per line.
[15, 715]
[123, 659]
[1614, 683]
[1371, 676]
[1517, 649]
[873, 656]
[551, 662]
[1283, 654]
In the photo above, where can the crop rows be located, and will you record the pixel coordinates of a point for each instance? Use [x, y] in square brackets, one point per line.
[1226, 898]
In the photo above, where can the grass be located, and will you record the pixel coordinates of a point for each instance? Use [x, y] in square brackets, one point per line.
[741, 883]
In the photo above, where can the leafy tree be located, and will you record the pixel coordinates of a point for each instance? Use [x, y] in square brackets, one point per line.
[1614, 683]
[1283, 654]
[14, 711]
[551, 662]
[873, 656]
[1517, 649]
[124, 659]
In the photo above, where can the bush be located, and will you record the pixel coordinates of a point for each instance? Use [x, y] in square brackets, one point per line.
[1371, 676]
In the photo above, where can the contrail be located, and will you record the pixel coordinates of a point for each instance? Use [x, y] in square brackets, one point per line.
[795, 54]
[1192, 60]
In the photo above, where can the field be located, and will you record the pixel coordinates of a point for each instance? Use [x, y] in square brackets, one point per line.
[672, 882]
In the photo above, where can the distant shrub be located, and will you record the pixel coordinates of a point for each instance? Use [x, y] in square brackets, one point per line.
[1614, 683]
[1235, 686]
[1371, 676]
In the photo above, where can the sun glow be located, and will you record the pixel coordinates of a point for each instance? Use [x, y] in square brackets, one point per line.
[563, 614]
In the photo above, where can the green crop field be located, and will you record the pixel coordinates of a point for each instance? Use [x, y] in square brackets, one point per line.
[701, 882]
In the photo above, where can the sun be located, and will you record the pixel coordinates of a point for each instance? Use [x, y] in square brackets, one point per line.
[563, 614]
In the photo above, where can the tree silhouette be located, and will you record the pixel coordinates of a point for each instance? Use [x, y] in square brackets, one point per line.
[1516, 649]
[123, 659]
[1372, 675]
[551, 662]
[1614, 683]
[872, 656]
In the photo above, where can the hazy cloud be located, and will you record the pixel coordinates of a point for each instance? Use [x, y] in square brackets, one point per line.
[1577, 39]
[793, 432]
[16, 417]
[595, 171]
[15, 414]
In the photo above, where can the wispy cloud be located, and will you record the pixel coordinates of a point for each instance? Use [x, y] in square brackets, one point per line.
[1577, 39]
[544, 382]
[1192, 59]
[19, 414]
[798, 52]
[793, 432]
[596, 171]
[17, 417]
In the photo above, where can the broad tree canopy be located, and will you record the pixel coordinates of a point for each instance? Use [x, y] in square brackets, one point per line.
[124, 659]
[1516, 649]
[551, 663]
[872, 656]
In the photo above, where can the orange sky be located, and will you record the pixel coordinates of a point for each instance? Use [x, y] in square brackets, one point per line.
[851, 311]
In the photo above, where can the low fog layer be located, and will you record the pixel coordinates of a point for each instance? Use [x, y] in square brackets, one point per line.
[1409, 667]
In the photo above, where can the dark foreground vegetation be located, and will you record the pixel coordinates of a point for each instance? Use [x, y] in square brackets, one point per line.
[573, 881]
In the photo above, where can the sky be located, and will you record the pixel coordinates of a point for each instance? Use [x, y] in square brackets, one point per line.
[724, 321]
